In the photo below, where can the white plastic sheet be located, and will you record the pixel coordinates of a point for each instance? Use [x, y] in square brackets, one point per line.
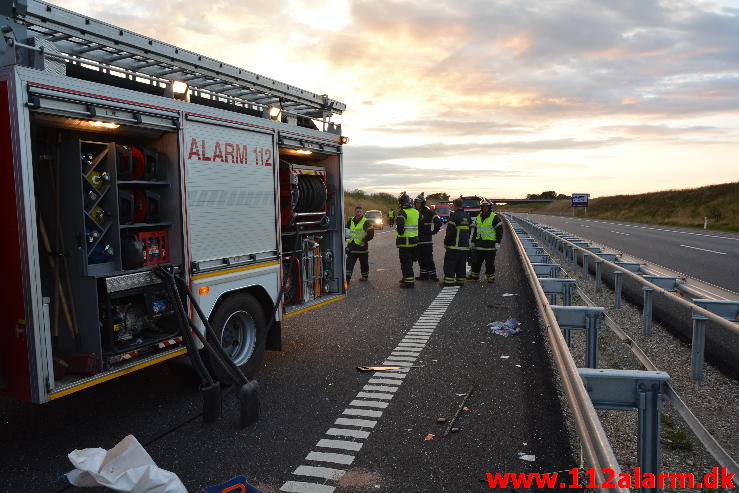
[126, 467]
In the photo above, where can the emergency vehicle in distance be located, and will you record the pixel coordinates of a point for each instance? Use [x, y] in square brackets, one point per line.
[122, 153]
[443, 210]
[471, 204]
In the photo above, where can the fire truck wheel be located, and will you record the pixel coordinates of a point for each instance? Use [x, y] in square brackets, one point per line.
[241, 329]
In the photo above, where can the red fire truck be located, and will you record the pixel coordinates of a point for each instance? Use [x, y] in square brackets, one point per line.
[121, 153]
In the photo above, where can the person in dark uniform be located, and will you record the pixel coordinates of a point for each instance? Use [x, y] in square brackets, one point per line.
[406, 238]
[360, 234]
[425, 249]
[391, 217]
[457, 243]
[487, 232]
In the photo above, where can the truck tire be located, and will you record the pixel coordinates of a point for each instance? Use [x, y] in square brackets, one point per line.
[241, 329]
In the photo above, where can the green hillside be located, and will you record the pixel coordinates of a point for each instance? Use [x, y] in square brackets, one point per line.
[720, 203]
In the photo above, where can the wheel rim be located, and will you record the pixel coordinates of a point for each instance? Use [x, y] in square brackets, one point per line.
[239, 336]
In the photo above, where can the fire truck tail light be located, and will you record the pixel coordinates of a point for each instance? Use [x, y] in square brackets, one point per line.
[203, 290]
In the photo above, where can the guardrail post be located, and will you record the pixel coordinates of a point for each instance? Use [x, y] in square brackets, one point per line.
[618, 278]
[587, 318]
[598, 274]
[633, 389]
[647, 311]
[698, 346]
[585, 257]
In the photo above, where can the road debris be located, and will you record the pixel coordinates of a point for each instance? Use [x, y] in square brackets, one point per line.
[461, 406]
[441, 420]
[429, 437]
[126, 467]
[526, 457]
[505, 329]
[377, 368]
[505, 295]
[454, 430]
[504, 356]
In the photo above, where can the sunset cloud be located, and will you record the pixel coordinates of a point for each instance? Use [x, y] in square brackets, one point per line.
[606, 85]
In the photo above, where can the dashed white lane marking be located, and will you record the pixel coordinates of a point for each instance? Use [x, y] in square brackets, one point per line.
[345, 459]
[340, 444]
[381, 388]
[300, 487]
[319, 472]
[361, 423]
[620, 233]
[363, 412]
[361, 403]
[374, 395]
[377, 394]
[345, 432]
[703, 249]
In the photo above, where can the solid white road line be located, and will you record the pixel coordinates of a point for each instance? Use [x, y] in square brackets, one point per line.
[703, 249]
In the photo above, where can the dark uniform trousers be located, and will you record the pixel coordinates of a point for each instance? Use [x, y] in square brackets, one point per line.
[351, 260]
[425, 254]
[480, 256]
[455, 265]
[406, 255]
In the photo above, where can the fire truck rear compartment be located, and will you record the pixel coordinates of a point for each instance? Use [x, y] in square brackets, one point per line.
[311, 225]
[108, 211]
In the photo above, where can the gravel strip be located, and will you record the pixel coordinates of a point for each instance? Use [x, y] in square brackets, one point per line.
[714, 400]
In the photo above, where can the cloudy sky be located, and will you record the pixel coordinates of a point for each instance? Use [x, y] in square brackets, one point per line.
[493, 97]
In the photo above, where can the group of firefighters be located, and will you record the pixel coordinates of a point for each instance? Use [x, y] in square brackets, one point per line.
[474, 240]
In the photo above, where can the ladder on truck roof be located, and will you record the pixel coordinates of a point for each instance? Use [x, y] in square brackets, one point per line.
[81, 39]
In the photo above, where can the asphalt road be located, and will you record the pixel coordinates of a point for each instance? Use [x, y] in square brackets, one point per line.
[307, 388]
[709, 256]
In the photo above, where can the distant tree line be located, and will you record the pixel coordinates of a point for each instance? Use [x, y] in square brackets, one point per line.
[550, 194]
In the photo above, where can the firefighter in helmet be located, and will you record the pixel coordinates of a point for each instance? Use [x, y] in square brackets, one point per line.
[406, 238]
[360, 234]
[487, 231]
[457, 243]
[428, 225]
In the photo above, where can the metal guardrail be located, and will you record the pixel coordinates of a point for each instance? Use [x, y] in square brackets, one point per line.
[707, 440]
[597, 450]
[716, 319]
[719, 312]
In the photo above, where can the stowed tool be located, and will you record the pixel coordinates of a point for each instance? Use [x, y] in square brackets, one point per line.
[248, 390]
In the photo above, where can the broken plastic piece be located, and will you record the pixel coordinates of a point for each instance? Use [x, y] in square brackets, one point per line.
[429, 437]
[466, 409]
[505, 295]
[441, 420]
[377, 368]
[454, 430]
[526, 457]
